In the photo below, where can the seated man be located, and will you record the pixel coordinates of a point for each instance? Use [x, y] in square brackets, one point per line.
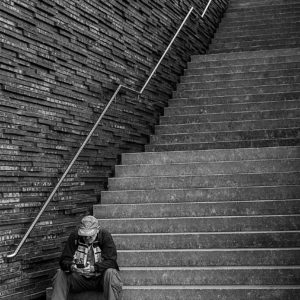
[88, 262]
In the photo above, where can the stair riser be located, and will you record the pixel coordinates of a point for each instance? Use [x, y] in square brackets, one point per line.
[248, 23]
[210, 156]
[210, 277]
[256, 38]
[236, 70]
[224, 145]
[208, 258]
[243, 64]
[281, 44]
[234, 99]
[200, 209]
[227, 126]
[242, 107]
[238, 180]
[208, 168]
[238, 83]
[214, 224]
[258, 4]
[204, 195]
[240, 76]
[226, 136]
[276, 55]
[257, 30]
[212, 294]
[276, 11]
[238, 91]
[234, 116]
[208, 241]
[268, 41]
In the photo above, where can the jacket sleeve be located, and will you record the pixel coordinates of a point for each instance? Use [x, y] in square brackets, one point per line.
[66, 259]
[108, 254]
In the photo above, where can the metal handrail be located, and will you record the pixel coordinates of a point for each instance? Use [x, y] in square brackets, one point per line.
[205, 9]
[94, 128]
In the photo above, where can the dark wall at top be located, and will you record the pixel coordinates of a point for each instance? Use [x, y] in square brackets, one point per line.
[60, 62]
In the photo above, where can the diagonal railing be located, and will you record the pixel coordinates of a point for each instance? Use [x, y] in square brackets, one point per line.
[93, 130]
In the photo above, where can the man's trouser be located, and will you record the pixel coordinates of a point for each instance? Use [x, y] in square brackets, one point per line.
[63, 283]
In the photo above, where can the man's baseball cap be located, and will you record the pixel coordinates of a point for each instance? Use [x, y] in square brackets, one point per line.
[88, 226]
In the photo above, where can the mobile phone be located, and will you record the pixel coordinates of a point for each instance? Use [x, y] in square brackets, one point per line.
[80, 266]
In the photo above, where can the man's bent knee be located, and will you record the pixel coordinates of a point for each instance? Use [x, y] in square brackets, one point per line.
[112, 284]
[60, 286]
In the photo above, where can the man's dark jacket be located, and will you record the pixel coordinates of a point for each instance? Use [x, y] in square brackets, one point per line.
[104, 241]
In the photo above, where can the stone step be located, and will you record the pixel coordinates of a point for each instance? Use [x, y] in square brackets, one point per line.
[271, 142]
[228, 77]
[256, 4]
[244, 17]
[227, 136]
[261, 8]
[241, 37]
[208, 257]
[272, 38]
[212, 292]
[261, 89]
[231, 116]
[232, 28]
[279, 8]
[231, 25]
[248, 55]
[256, 30]
[175, 195]
[259, 58]
[193, 101]
[194, 293]
[258, 275]
[255, 45]
[230, 108]
[203, 224]
[208, 240]
[197, 209]
[204, 181]
[210, 168]
[205, 156]
[221, 126]
[238, 83]
[238, 67]
[241, 21]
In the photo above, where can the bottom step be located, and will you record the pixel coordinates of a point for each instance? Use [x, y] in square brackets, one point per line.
[212, 292]
[196, 293]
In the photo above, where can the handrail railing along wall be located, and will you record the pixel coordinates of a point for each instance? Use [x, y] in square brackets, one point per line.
[94, 128]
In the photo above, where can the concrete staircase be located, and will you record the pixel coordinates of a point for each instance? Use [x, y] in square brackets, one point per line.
[211, 210]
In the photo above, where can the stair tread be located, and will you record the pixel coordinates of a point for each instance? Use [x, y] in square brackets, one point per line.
[267, 250]
[262, 53]
[214, 287]
[153, 234]
[215, 268]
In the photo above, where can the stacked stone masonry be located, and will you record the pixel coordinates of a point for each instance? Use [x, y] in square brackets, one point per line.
[60, 62]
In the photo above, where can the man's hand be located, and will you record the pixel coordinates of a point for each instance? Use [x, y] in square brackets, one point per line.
[89, 269]
[76, 270]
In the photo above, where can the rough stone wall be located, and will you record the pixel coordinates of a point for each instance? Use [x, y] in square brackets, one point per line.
[60, 62]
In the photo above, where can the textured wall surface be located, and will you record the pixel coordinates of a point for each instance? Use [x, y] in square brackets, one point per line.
[60, 62]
